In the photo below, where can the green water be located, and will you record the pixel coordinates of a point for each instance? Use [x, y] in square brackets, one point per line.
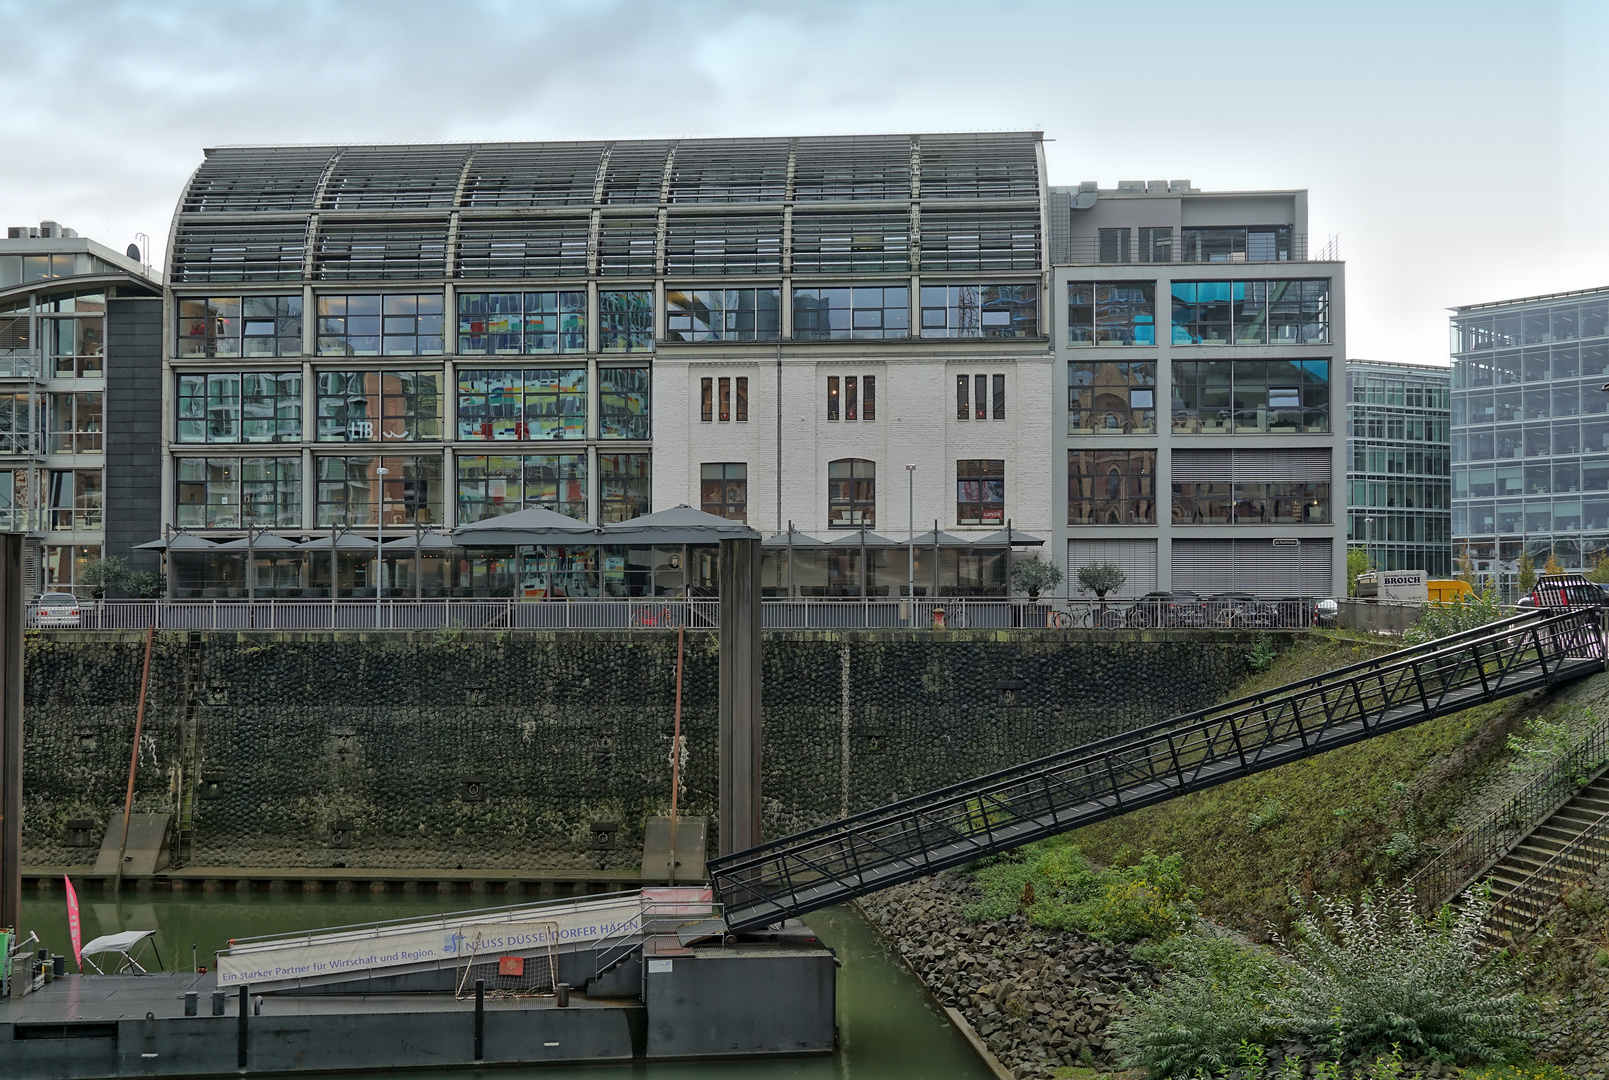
[888, 1030]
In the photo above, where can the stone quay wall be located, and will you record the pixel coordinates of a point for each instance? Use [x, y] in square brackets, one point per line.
[510, 750]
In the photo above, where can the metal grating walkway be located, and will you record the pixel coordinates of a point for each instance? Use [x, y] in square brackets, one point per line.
[1004, 810]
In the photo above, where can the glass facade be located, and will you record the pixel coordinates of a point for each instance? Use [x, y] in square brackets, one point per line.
[1111, 397]
[1221, 397]
[1530, 432]
[1251, 312]
[489, 486]
[1399, 471]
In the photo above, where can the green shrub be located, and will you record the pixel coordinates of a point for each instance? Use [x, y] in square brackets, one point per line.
[1210, 1012]
[1542, 743]
[1059, 890]
[1444, 618]
[1381, 975]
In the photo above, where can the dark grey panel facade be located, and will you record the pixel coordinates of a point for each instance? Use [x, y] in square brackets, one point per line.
[133, 486]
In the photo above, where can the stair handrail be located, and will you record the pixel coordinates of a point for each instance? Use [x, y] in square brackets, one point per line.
[1481, 846]
[1158, 754]
[1496, 631]
[630, 935]
[1538, 891]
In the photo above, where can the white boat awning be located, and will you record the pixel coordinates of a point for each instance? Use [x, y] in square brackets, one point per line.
[115, 943]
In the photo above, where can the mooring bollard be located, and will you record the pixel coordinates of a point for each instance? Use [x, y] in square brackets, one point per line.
[191, 999]
[480, 1018]
[217, 1002]
[563, 992]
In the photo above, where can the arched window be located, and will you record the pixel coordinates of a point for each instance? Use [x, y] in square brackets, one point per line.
[851, 493]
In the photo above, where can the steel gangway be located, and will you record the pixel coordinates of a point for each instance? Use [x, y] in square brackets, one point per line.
[990, 814]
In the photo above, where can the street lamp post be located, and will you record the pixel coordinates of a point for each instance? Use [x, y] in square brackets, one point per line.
[1368, 542]
[379, 543]
[910, 539]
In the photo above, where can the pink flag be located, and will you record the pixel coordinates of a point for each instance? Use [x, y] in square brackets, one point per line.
[72, 923]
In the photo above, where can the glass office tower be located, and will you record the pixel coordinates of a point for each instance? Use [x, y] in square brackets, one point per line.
[1399, 482]
[1530, 431]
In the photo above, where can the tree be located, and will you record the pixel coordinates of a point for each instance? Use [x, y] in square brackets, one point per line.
[1599, 571]
[1552, 565]
[1100, 578]
[146, 584]
[1527, 573]
[1357, 562]
[1034, 575]
[1466, 569]
[99, 575]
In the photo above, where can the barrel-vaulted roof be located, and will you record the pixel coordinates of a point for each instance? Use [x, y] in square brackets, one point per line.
[936, 203]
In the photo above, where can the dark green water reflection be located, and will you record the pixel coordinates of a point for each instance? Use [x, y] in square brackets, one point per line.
[887, 1028]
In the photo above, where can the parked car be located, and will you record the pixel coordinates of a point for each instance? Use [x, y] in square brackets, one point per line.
[1564, 590]
[54, 609]
[1239, 609]
[1166, 609]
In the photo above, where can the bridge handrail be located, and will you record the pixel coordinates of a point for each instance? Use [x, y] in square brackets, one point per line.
[1478, 848]
[1498, 631]
[1006, 809]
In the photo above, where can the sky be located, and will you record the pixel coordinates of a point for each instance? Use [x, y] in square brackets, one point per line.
[1457, 151]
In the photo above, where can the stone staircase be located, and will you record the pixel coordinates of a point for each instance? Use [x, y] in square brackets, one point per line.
[1570, 844]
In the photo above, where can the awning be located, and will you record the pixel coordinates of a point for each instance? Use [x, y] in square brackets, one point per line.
[265, 542]
[678, 525]
[180, 541]
[536, 525]
[115, 943]
[346, 541]
[945, 540]
[863, 539]
[430, 541]
[800, 540]
[1017, 538]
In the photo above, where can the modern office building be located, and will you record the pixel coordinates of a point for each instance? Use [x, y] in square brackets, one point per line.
[1201, 448]
[1530, 431]
[80, 396]
[1399, 474]
[404, 337]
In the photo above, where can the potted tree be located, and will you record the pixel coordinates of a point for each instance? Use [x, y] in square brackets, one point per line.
[1101, 578]
[1033, 576]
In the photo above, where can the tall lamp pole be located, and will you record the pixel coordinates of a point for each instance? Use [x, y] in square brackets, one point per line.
[910, 538]
[1368, 542]
[379, 544]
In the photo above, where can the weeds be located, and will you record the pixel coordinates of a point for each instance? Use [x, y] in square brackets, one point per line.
[1262, 655]
[1059, 890]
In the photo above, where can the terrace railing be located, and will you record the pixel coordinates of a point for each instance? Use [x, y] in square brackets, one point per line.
[1005, 810]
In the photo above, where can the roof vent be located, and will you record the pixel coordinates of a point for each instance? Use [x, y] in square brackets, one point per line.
[50, 229]
[1156, 187]
[1180, 187]
[1131, 187]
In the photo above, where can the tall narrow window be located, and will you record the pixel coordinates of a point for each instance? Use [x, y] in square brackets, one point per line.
[980, 397]
[742, 398]
[868, 398]
[999, 397]
[832, 397]
[726, 400]
[706, 402]
[851, 387]
[963, 408]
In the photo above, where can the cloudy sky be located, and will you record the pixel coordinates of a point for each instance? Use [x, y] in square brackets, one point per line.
[1457, 148]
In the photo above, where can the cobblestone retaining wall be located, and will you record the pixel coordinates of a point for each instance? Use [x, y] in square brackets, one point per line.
[503, 750]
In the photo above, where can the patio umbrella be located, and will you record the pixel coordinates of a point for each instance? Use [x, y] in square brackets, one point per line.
[678, 525]
[536, 525]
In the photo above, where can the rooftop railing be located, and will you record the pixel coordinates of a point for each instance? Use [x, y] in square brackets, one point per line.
[1092, 250]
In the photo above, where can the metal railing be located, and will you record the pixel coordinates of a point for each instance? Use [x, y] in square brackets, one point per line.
[1086, 250]
[1484, 844]
[699, 613]
[1521, 909]
[653, 917]
[1007, 809]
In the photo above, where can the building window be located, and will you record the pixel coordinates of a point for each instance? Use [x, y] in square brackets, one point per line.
[392, 324]
[1156, 244]
[490, 485]
[723, 315]
[843, 313]
[624, 402]
[1111, 313]
[1111, 487]
[1112, 397]
[74, 348]
[626, 321]
[347, 488]
[75, 423]
[851, 493]
[626, 483]
[228, 493]
[519, 405]
[379, 406]
[975, 311]
[16, 433]
[1218, 397]
[1251, 502]
[239, 406]
[1115, 245]
[511, 324]
[724, 489]
[14, 501]
[852, 397]
[1251, 312]
[240, 326]
[980, 492]
[74, 498]
[1254, 243]
[65, 563]
[733, 395]
[980, 397]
